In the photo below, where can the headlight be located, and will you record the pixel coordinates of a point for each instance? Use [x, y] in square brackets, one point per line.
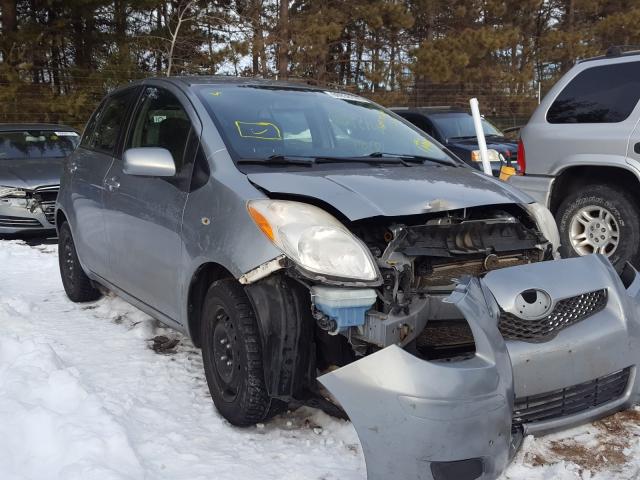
[12, 192]
[313, 239]
[546, 223]
[494, 155]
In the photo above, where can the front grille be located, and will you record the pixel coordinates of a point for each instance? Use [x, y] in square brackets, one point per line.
[49, 209]
[46, 197]
[566, 313]
[19, 222]
[571, 400]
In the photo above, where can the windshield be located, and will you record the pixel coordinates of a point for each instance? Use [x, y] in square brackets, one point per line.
[37, 144]
[260, 122]
[453, 125]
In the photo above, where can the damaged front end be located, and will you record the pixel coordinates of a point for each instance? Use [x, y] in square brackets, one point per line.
[470, 336]
[24, 210]
[572, 360]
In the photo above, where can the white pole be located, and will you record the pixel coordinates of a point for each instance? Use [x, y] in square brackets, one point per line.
[482, 143]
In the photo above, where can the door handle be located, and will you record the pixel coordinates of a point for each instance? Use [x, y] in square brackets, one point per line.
[636, 148]
[112, 184]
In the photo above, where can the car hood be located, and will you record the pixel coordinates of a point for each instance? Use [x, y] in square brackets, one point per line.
[30, 173]
[394, 191]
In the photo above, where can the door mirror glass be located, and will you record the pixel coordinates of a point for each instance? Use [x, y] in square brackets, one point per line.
[149, 162]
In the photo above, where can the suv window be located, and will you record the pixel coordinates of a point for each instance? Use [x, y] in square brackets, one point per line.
[104, 129]
[605, 94]
[161, 121]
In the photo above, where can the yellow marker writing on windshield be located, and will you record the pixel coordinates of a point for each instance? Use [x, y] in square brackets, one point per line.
[259, 130]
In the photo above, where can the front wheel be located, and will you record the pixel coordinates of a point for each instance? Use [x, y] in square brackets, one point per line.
[600, 219]
[77, 285]
[232, 355]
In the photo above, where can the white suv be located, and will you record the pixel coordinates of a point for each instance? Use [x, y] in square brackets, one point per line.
[580, 156]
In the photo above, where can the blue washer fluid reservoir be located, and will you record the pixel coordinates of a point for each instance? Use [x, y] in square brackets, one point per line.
[347, 306]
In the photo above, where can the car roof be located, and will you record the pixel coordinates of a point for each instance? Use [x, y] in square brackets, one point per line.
[613, 53]
[430, 110]
[12, 127]
[190, 80]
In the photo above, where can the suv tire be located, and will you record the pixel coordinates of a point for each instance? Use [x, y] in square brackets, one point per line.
[77, 285]
[232, 355]
[614, 214]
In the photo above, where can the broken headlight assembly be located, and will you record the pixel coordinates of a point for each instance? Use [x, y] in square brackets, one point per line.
[16, 197]
[545, 222]
[312, 238]
[12, 192]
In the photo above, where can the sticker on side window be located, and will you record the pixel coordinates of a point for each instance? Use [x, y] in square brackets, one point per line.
[259, 130]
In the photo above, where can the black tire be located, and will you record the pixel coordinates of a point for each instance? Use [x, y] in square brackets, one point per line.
[77, 285]
[622, 206]
[230, 330]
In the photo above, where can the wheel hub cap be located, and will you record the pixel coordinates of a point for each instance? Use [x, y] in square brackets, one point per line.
[226, 357]
[594, 229]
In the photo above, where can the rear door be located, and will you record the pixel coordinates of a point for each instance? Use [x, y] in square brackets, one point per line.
[143, 215]
[88, 166]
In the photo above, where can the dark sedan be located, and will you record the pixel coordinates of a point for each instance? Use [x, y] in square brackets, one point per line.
[454, 129]
[31, 157]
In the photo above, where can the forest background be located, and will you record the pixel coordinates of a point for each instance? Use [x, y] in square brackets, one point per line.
[58, 58]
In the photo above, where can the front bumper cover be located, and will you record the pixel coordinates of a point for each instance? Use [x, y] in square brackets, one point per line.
[419, 419]
[21, 219]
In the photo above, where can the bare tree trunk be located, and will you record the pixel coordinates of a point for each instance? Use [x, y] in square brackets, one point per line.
[160, 14]
[120, 24]
[9, 29]
[257, 41]
[9, 16]
[283, 43]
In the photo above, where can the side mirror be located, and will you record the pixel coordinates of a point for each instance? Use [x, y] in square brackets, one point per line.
[149, 161]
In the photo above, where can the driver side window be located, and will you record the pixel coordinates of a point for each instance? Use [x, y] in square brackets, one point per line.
[161, 121]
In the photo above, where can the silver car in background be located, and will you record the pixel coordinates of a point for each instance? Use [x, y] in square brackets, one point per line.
[31, 157]
[304, 237]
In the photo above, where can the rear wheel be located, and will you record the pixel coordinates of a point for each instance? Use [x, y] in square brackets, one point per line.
[600, 219]
[77, 285]
[232, 355]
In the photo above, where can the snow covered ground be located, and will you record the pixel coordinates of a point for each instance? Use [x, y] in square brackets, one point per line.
[84, 396]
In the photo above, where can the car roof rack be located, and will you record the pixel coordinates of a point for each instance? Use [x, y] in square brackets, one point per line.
[616, 51]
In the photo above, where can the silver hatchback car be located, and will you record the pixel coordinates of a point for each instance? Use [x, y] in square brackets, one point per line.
[304, 237]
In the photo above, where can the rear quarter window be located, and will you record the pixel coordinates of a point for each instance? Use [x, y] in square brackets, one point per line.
[603, 94]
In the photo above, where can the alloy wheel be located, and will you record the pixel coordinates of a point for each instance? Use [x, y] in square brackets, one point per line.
[594, 229]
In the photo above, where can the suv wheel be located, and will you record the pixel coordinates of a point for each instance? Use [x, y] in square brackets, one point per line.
[232, 356]
[77, 285]
[600, 219]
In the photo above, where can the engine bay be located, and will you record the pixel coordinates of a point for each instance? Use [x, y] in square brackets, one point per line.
[421, 259]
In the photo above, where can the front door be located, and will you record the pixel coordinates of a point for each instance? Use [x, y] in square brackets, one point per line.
[88, 166]
[143, 215]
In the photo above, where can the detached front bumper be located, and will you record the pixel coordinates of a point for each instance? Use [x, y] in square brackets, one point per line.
[463, 420]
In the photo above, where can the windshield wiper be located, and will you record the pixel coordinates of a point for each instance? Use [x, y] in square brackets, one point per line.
[410, 160]
[462, 137]
[376, 158]
[279, 160]
[310, 161]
